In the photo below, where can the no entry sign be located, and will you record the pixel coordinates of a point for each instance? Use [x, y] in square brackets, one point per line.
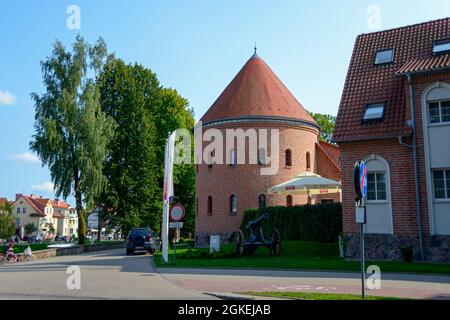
[176, 213]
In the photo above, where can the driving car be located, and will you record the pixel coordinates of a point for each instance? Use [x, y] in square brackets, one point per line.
[140, 239]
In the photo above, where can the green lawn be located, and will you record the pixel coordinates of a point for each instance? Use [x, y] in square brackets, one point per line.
[296, 255]
[315, 296]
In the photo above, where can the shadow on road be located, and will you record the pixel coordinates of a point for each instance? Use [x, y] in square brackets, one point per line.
[138, 263]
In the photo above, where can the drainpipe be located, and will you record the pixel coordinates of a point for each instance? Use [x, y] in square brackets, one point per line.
[416, 167]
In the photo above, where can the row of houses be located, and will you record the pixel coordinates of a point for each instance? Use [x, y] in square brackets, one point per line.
[49, 217]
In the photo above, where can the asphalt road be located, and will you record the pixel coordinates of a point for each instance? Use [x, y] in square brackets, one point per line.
[112, 275]
[103, 275]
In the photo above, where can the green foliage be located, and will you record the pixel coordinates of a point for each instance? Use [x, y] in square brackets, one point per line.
[327, 123]
[71, 131]
[7, 225]
[30, 228]
[145, 114]
[320, 222]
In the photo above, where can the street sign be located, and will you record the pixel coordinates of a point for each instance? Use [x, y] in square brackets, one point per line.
[175, 225]
[363, 178]
[177, 213]
[361, 215]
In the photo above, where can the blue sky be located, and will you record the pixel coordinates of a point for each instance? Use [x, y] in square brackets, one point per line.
[194, 46]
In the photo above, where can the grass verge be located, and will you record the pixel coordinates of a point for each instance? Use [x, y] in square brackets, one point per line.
[315, 296]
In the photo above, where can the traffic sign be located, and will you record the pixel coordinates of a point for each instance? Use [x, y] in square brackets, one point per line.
[363, 179]
[175, 225]
[177, 213]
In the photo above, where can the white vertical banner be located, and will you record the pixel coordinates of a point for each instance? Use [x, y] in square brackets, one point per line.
[168, 194]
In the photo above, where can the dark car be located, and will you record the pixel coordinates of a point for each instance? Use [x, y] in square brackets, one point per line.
[140, 239]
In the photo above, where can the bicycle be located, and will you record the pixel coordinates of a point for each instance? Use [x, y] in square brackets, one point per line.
[2, 259]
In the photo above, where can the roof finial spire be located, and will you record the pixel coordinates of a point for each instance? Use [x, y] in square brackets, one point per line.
[255, 54]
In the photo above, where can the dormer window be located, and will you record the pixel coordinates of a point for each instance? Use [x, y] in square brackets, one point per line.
[384, 56]
[374, 112]
[441, 46]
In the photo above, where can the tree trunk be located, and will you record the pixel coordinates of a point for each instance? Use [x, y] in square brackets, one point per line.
[80, 211]
[99, 233]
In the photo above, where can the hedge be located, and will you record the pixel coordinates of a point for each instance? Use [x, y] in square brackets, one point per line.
[320, 222]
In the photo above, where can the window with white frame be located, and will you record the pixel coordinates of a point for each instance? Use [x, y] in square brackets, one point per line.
[24, 210]
[439, 112]
[376, 186]
[441, 181]
[17, 210]
[17, 221]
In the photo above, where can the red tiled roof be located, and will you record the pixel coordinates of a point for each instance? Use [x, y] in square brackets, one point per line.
[367, 83]
[256, 91]
[332, 152]
[424, 65]
[38, 204]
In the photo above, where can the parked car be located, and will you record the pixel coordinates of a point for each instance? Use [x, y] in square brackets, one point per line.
[140, 239]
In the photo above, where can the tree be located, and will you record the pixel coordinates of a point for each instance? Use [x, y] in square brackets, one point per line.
[145, 114]
[30, 228]
[71, 129]
[127, 92]
[327, 123]
[7, 223]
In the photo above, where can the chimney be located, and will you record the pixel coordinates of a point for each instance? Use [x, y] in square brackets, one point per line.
[18, 195]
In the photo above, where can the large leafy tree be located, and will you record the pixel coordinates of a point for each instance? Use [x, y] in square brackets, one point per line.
[71, 129]
[145, 114]
[127, 92]
[7, 223]
[327, 123]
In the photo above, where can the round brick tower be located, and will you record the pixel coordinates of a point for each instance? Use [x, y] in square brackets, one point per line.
[255, 99]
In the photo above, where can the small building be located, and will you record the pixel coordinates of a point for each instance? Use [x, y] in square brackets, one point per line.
[256, 102]
[45, 214]
[395, 115]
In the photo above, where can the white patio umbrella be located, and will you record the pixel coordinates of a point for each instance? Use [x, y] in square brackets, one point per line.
[307, 183]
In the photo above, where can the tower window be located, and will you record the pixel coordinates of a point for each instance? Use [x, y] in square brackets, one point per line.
[210, 204]
[233, 158]
[289, 201]
[308, 161]
[288, 158]
[262, 158]
[384, 56]
[233, 204]
[262, 201]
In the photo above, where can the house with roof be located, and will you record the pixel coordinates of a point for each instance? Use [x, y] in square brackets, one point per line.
[256, 99]
[45, 214]
[395, 115]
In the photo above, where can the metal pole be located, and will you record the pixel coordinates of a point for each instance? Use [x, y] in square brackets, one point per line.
[175, 247]
[363, 267]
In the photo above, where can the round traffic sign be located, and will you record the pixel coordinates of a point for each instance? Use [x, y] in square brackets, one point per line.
[363, 178]
[177, 213]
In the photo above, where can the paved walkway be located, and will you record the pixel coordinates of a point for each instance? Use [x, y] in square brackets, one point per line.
[104, 275]
[228, 280]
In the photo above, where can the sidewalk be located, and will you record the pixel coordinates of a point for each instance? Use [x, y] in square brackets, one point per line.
[226, 281]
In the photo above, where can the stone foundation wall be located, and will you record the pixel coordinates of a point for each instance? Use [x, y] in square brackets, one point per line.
[388, 247]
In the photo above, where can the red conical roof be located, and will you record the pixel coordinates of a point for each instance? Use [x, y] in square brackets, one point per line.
[256, 91]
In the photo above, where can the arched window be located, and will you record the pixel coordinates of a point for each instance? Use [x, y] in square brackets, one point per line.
[288, 158]
[233, 204]
[210, 160]
[262, 201]
[289, 202]
[210, 204]
[308, 161]
[233, 158]
[262, 158]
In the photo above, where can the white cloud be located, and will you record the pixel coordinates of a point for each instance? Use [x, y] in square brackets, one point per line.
[43, 187]
[27, 157]
[7, 98]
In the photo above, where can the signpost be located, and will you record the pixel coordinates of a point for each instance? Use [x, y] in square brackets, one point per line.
[360, 182]
[176, 217]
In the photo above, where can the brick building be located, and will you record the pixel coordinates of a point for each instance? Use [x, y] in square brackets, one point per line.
[397, 96]
[257, 100]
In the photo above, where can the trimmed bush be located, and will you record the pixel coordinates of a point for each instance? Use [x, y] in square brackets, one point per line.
[320, 222]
